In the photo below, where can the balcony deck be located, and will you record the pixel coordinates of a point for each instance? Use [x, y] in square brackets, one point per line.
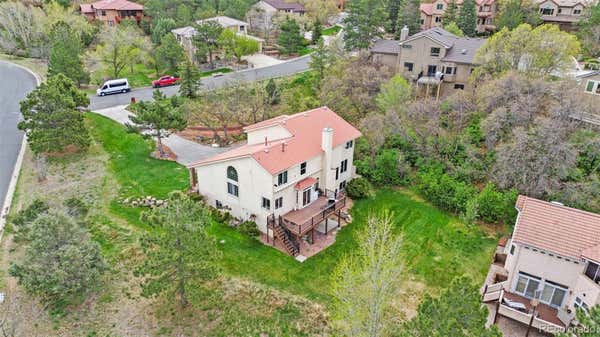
[301, 221]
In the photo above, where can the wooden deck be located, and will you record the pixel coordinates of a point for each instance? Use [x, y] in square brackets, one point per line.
[301, 221]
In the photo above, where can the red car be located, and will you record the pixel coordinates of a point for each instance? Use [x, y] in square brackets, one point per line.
[165, 81]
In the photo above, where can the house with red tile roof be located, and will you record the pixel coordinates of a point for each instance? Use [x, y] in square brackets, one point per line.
[112, 11]
[432, 13]
[549, 268]
[288, 177]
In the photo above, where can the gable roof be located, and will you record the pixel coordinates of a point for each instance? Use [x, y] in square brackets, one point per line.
[563, 230]
[224, 21]
[426, 8]
[440, 35]
[282, 5]
[122, 5]
[305, 141]
[384, 46]
[463, 50]
[187, 31]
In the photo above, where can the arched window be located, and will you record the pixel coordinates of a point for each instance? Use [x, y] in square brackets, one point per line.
[232, 173]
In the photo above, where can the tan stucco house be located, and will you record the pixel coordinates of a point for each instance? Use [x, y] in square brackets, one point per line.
[564, 13]
[551, 263]
[261, 14]
[432, 13]
[287, 178]
[112, 11]
[435, 59]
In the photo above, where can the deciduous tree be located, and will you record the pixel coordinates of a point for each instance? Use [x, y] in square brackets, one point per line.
[119, 46]
[20, 27]
[512, 13]
[169, 54]
[161, 27]
[589, 31]
[364, 283]
[180, 255]
[206, 40]
[394, 94]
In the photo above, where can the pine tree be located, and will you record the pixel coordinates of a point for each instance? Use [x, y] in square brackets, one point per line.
[410, 16]
[169, 54]
[320, 60]
[467, 18]
[317, 32]
[273, 92]
[180, 255]
[190, 80]
[393, 9]
[65, 53]
[451, 13]
[363, 23]
[289, 40]
[160, 114]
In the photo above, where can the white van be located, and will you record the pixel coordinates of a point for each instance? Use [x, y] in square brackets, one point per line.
[113, 87]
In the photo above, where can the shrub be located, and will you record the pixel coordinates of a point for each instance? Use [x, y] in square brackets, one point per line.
[249, 228]
[76, 208]
[389, 168]
[443, 190]
[23, 218]
[494, 205]
[358, 188]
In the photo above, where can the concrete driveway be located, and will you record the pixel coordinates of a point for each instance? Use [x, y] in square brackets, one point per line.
[17, 83]
[261, 60]
[187, 151]
[286, 68]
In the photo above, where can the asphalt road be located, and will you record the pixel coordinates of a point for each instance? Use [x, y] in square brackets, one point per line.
[208, 83]
[16, 83]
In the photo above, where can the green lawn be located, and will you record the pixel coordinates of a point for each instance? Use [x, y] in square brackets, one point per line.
[331, 30]
[437, 246]
[138, 76]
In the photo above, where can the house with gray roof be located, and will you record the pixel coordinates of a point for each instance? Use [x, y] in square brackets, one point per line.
[434, 59]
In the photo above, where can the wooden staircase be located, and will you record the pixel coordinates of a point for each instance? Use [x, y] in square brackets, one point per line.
[283, 234]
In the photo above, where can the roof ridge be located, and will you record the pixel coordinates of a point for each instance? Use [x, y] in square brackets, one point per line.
[555, 204]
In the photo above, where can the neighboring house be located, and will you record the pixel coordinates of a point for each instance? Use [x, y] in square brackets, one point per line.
[432, 13]
[185, 35]
[589, 81]
[288, 176]
[564, 13]
[434, 59]
[552, 263]
[261, 14]
[112, 11]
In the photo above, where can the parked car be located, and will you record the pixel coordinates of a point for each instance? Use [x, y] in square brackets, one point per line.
[120, 85]
[165, 81]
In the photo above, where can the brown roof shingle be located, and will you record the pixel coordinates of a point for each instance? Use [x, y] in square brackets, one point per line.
[566, 231]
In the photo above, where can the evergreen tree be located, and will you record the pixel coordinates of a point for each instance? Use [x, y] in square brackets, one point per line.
[50, 116]
[320, 60]
[363, 23]
[457, 312]
[451, 13]
[273, 92]
[190, 80]
[512, 13]
[467, 18]
[289, 40]
[65, 53]
[410, 16]
[393, 9]
[169, 54]
[160, 114]
[180, 254]
[61, 261]
[589, 31]
[161, 27]
[206, 40]
[317, 32]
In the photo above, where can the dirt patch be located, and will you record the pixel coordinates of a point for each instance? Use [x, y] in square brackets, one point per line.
[168, 154]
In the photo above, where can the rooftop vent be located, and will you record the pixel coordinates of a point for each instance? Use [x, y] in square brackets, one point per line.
[464, 51]
[557, 203]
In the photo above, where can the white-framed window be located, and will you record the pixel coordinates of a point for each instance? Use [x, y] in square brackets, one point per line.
[580, 304]
[233, 189]
[303, 168]
[439, 7]
[306, 196]
[266, 203]
[438, 19]
[547, 11]
[577, 11]
[232, 181]
[553, 294]
[350, 142]
[592, 87]
[344, 166]
[282, 178]
[546, 291]
[527, 285]
[435, 51]
[278, 202]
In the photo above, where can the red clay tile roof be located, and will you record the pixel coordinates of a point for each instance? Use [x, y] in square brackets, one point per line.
[86, 8]
[304, 183]
[566, 231]
[305, 143]
[427, 9]
[122, 5]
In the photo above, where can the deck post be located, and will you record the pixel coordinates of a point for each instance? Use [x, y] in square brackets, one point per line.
[496, 313]
[340, 218]
[326, 225]
[484, 291]
[312, 236]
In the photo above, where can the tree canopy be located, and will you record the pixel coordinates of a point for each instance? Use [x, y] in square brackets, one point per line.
[363, 23]
[290, 40]
[467, 18]
[65, 53]
[589, 31]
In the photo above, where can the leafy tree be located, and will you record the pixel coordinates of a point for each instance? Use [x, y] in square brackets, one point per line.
[50, 116]
[589, 320]
[457, 312]
[589, 31]
[394, 94]
[190, 80]
[321, 59]
[169, 54]
[159, 114]
[512, 13]
[363, 23]
[20, 27]
[410, 16]
[539, 51]
[467, 18]
[290, 40]
[237, 45]
[80, 25]
[206, 40]
[317, 32]
[452, 27]
[365, 282]
[180, 255]
[119, 46]
[65, 54]
[61, 262]
[451, 13]
[161, 27]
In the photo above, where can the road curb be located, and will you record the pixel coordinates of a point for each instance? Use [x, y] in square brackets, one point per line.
[12, 185]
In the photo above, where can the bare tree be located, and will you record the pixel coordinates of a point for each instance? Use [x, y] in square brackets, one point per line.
[365, 282]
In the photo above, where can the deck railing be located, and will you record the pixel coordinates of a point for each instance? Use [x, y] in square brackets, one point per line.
[302, 228]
